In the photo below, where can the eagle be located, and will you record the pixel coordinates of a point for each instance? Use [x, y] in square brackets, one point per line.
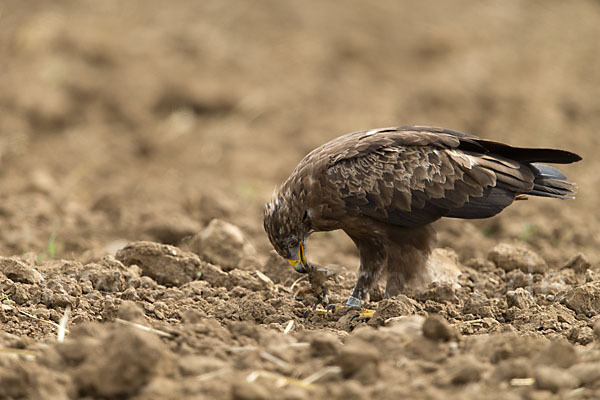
[384, 188]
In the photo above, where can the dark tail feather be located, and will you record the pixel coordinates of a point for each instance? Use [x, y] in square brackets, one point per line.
[550, 182]
[528, 155]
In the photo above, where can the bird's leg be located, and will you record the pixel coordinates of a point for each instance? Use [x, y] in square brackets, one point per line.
[394, 286]
[406, 262]
[373, 258]
[365, 281]
[354, 304]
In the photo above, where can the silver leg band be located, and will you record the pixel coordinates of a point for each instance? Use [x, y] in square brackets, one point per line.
[353, 301]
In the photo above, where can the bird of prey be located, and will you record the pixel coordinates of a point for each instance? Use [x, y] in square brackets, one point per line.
[384, 187]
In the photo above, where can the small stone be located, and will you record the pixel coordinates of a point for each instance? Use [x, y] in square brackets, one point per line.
[439, 292]
[590, 276]
[59, 300]
[17, 271]
[437, 328]
[244, 279]
[102, 277]
[579, 263]
[147, 283]
[518, 279]
[130, 311]
[551, 284]
[21, 294]
[479, 305]
[585, 336]
[130, 294]
[512, 256]
[584, 299]
[553, 379]
[213, 275]
[168, 265]
[398, 306]
[223, 244]
[520, 298]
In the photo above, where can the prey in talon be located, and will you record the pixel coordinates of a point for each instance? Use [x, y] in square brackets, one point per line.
[317, 278]
[384, 188]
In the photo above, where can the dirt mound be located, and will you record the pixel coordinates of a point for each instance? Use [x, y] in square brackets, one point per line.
[240, 334]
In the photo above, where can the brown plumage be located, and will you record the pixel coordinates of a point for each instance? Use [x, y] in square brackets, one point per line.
[383, 187]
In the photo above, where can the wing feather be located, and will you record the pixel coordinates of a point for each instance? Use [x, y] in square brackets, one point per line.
[409, 187]
[411, 176]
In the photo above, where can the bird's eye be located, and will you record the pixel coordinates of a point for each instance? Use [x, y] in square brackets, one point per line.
[293, 243]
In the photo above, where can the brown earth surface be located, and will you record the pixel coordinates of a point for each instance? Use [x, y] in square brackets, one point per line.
[129, 128]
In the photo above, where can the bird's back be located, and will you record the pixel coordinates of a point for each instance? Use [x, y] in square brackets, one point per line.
[410, 176]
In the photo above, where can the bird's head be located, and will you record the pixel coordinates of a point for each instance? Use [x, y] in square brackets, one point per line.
[287, 227]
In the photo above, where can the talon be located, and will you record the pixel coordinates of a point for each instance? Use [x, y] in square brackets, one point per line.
[363, 314]
[367, 313]
[353, 317]
[322, 299]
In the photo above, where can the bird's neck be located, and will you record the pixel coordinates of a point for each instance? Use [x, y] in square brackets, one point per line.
[295, 205]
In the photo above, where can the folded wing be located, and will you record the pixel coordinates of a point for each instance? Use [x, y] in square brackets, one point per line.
[411, 176]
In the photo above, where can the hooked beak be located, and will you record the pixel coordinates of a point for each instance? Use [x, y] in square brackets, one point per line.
[300, 262]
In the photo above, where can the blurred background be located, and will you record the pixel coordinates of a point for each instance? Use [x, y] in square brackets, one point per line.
[146, 119]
